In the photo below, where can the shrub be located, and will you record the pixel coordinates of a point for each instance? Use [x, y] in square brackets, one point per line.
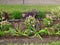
[4, 25]
[47, 22]
[29, 32]
[0, 16]
[56, 12]
[20, 33]
[2, 33]
[16, 15]
[56, 29]
[30, 23]
[44, 32]
[12, 32]
[41, 15]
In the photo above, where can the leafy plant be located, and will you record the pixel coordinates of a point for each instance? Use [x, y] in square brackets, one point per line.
[1, 16]
[41, 15]
[56, 12]
[29, 32]
[57, 26]
[30, 23]
[21, 33]
[47, 22]
[12, 32]
[40, 33]
[57, 33]
[4, 25]
[56, 29]
[44, 32]
[2, 33]
[16, 15]
[37, 35]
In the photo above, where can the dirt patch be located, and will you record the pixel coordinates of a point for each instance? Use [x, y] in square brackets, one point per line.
[22, 40]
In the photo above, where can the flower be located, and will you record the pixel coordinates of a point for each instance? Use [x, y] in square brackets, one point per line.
[49, 22]
[33, 25]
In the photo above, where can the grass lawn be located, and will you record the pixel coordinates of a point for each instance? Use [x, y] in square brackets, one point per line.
[23, 8]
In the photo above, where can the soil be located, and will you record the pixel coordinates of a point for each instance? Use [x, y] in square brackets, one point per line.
[22, 40]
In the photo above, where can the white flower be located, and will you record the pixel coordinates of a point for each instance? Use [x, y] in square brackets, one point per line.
[33, 25]
[49, 22]
[30, 16]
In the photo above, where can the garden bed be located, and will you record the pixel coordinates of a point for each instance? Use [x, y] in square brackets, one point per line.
[21, 25]
[28, 27]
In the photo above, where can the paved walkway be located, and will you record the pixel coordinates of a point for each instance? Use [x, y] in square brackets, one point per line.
[30, 2]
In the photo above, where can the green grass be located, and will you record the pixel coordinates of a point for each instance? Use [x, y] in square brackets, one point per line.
[23, 8]
[52, 43]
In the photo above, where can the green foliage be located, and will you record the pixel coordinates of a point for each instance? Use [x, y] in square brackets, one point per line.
[21, 33]
[30, 23]
[37, 35]
[4, 25]
[23, 8]
[56, 29]
[12, 32]
[57, 33]
[41, 15]
[44, 32]
[56, 12]
[47, 22]
[29, 32]
[57, 26]
[0, 16]
[2, 33]
[16, 15]
[16, 9]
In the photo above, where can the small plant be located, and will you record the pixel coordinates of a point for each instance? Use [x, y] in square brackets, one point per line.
[41, 15]
[4, 25]
[37, 35]
[2, 33]
[44, 32]
[30, 23]
[56, 29]
[12, 32]
[29, 32]
[56, 12]
[16, 15]
[20, 33]
[1, 16]
[47, 22]
[58, 33]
